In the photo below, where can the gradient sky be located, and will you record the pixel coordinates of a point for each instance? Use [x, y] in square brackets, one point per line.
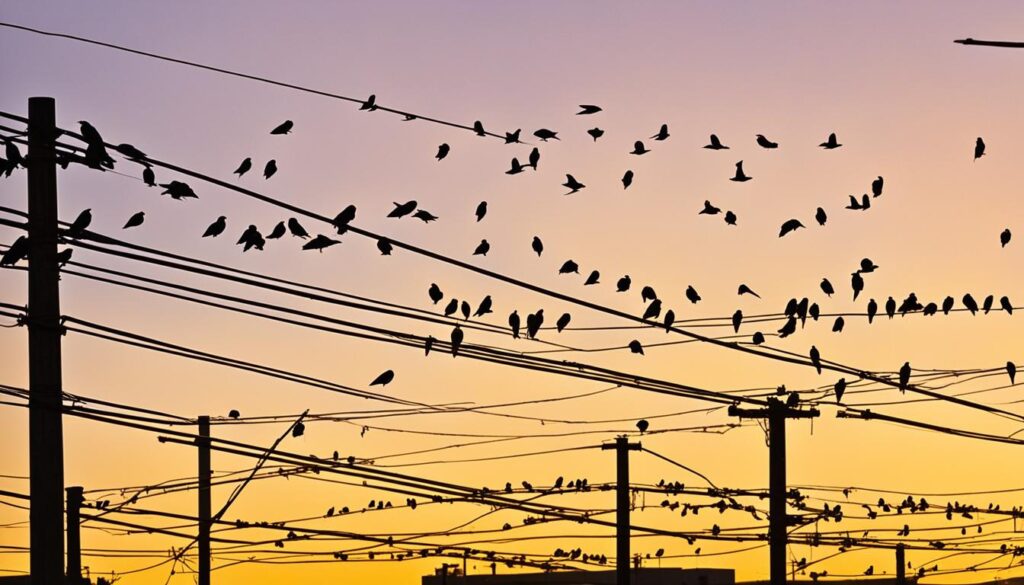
[905, 101]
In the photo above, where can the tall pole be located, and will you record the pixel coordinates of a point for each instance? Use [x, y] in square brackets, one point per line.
[622, 448]
[777, 520]
[203, 541]
[46, 434]
[901, 564]
[74, 505]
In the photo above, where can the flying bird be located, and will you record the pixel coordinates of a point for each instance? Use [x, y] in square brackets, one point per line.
[831, 142]
[481, 210]
[537, 245]
[482, 248]
[662, 133]
[278, 231]
[765, 143]
[243, 167]
[638, 148]
[740, 176]
[588, 109]
[746, 290]
[595, 133]
[442, 151]
[319, 243]
[544, 134]
[979, 148]
[789, 226]
[572, 184]
[135, 220]
[569, 267]
[715, 144]
[384, 378]
[216, 228]
[296, 229]
[283, 128]
[627, 179]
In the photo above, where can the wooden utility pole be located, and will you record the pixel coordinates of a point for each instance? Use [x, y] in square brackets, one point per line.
[901, 564]
[74, 506]
[778, 517]
[203, 540]
[622, 448]
[46, 434]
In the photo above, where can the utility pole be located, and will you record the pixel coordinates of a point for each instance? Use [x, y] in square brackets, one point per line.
[622, 448]
[74, 504]
[901, 564]
[778, 520]
[203, 540]
[46, 434]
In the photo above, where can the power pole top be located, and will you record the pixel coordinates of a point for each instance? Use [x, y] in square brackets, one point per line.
[621, 443]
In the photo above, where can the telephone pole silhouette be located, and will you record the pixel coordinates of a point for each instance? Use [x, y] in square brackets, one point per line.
[622, 447]
[45, 427]
[778, 519]
[74, 504]
[203, 539]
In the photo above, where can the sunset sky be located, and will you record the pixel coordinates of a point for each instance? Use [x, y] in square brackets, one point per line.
[905, 101]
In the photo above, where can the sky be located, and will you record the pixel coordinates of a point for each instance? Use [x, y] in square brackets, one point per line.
[905, 101]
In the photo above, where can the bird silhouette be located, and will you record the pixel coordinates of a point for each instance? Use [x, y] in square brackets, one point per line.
[517, 167]
[947, 305]
[82, 221]
[709, 209]
[384, 246]
[758, 337]
[344, 217]
[830, 143]
[1004, 237]
[178, 190]
[789, 328]
[838, 324]
[979, 148]
[278, 231]
[970, 303]
[456, 339]
[370, 104]
[930, 309]
[790, 226]
[691, 294]
[820, 216]
[653, 311]
[635, 347]
[816, 359]
[319, 243]
[642, 425]
[876, 186]
[594, 278]
[730, 218]
[537, 245]
[435, 293]
[890, 307]
[283, 128]
[857, 284]
[647, 293]
[135, 220]
[595, 133]
[1011, 371]
[385, 378]
[623, 284]
[513, 137]
[514, 324]
[572, 184]
[296, 229]
[216, 228]
[904, 376]
[569, 267]
[14, 157]
[544, 134]
[64, 256]
[740, 176]
[563, 322]
[715, 144]
[442, 151]
[1004, 302]
[534, 158]
[826, 287]
[465, 310]
[425, 216]
[765, 143]
[627, 179]
[867, 266]
[746, 290]
[662, 133]
[451, 307]
[251, 238]
[243, 167]
[638, 148]
[737, 320]
[534, 322]
[149, 177]
[428, 344]
[670, 318]
[986, 305]
[839, 389]
[482, 248]
[270, 169]
[402, 209]
[481, 210]
[588, 109]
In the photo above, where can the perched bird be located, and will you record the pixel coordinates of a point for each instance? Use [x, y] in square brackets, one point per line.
[716, 144]
[451, 308]
[1011, 371]
[979, 148]
[838, 324]
[442, 151]
[517, 167]
[857, 284]
[662, 133]
[670, 318]
[544, 134]
[904, 376]
[867, 266]
[149, 177]
[820, 216]
[970, 303]
[730, 218]
[478, 128]
[319, 243]
[234, 414]
[435, 293]
[482, 248]
[64, 256]
[344, 217]
[428, 344]
[481, 210]
[758, 338]
[425, 216]
[178, 190]
[1004, 302]
[514, 324]
[638, 148]
[635, 347]
[653, 311]
[296, 229]
[593, 278]
[947, 305]
[251, 238]
[129, 151]
[709, 209]
[13, 154]
[642, 425]
[691, 294]
[534, 158]
[816, 359]
[464, 309]
[876, 186]
[588, 109]
[77, 227]
[370, 104]
[647, 294]
[595, 133]
[456, 340]
[216, 228]
[270, 169]
[765, 143]
[298, 430]
[986, 305]
[243, 167]
[623, 284]
[534, 322]
[826, 287]
[278, 231]
[484, 307]
[513, 137]
[830, 143]
[384, 378]
[863, 204]
[746, 290]
[890, 307]
[737, 320]
[572, 184]
[789, 226]
[283, 128]
[537, 245]
[563, 322]
[569, 267]
[788, 329]
[384, 246]
[135, 220]
[1004, 237]
[740, 176]
[402, 209]
[627, 179]
[839, 389]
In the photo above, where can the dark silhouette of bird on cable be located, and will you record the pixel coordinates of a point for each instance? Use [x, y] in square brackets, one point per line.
[425, 216]
[251, 238]
[986, 305]
[537, 245]
[270, 169]
[135, 220]
[820, 216]
[456, 340]
[595, 133]
[1011, 371]
[298, 430]
[746, 290]
[627, 179]
[442, 151]
[838, 324]
[831, 142]
[790, 226]
[647, 294]
[930, 309]
[730, 218]
[867, 266]
[384, 378]
[740, 176]
[319, 243]
[482, 248]
[513, 137]
[384, 246]
[857, 284]
[96, 155]
[344, 217]
[216, 228]
[670, 318]
[534, 322]
[16, 252]
[64, 256]
[481, 210]
[296, 229]
[890, 307]
[563, 322]
[789, 328]
[544, 134]
[863, 204]
[947, 305]
[638, 148]
[623, 284]
[709, 209]
[14, 157]
[816, 359]
[642, 425]
[569, 267]
[586, 109]
[178, 190]
[435, 293]
[278, 231]
[876, 186]
[465, 309]
[572, 184]
[635, 347]
[234, 414]
[970, 303]
[715, 144]
[691, 295]
[514, 323]
[839, 389]
[904, 376]
[370, 104]
[451, 307]
[1004, 237]
[1004, 303]
[737, 320]
[653, 311]
[979, 148]
[826, 287]
[484, 307]
[534, 158]
[517, 167]
[77, 227]
[758, 337]
[149, 177]
[244, 167]
[283, 128]
[662, 133]
[765, 143]
[594, 278]
[130, 152]
[909, 305]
